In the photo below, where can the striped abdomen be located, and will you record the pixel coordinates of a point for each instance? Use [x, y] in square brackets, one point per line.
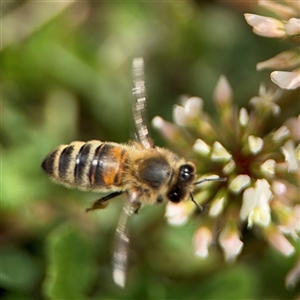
[90, 166]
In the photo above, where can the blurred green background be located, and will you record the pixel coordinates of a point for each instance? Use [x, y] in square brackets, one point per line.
[66, 75]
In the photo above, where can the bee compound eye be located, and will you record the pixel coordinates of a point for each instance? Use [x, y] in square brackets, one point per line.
[174, 196]
[186, 172]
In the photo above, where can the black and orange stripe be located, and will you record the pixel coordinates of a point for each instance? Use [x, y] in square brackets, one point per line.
[92, 166]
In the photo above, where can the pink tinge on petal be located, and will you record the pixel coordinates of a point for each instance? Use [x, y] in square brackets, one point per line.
[288, 150]
[293, 276]
[280, 242]
[283, 60]
[286, 80]
[193, 107]
[230, 243]
[265, 26]
[202, 240]
[179, 115]
[292, 27]
[293, 124]
[176, 214]
[279, 188]
[291, 225]
[223, 92]
[167, 129]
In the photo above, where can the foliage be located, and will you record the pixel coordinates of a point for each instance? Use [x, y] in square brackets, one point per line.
[66, 75]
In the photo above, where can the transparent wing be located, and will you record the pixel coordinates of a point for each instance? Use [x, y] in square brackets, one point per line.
[120, 256]
[140, 103]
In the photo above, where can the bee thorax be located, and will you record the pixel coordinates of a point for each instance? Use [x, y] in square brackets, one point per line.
[154, 172]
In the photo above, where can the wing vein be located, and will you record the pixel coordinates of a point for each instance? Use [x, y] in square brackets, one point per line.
[120, 256]
[140, 104]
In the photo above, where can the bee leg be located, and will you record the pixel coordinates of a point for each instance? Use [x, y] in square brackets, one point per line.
[133, 198]
[136, 207]
[159, 199]
[199, 207]
[102, 202]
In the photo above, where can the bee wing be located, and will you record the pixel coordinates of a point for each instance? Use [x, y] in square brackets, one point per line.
[140, 104]
[121, 246]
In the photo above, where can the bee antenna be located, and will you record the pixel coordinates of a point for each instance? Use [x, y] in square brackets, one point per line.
[199, 207]
[211, 179]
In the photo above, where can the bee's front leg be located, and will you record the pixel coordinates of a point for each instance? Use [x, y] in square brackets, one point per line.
[134, 200]
[102, 202]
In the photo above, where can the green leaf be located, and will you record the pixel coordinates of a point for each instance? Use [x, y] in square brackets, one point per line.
[70, 258]
[19, 271]
[236, 282]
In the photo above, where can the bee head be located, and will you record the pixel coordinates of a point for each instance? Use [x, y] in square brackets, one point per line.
[182, 186]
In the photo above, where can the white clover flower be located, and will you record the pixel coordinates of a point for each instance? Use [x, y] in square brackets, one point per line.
[293, 125]
[219, 153]
[266, 26]
[293, 275]
[292, 223]
[243, 117]
[179, 115]
[279, 188]
[286, 80]
[228, 168]
[239, 183]
[279, 241]
[230, 242]
[255, 144]
[292, 26]
[255, 205]
[283, 60]
[169, 130]
[288, 150]
[202, 240]
[183, 115]
[193, 107]
[177, 213]
[268, 167]
[201, 147]
[266, 100]
[223, 92]
[217, 207]
[280, 134]
[297, 152]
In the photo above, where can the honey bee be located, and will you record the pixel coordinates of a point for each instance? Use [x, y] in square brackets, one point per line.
[144, 172]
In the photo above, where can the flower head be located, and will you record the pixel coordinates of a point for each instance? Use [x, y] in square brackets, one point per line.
[261, 159]
[261, 164]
